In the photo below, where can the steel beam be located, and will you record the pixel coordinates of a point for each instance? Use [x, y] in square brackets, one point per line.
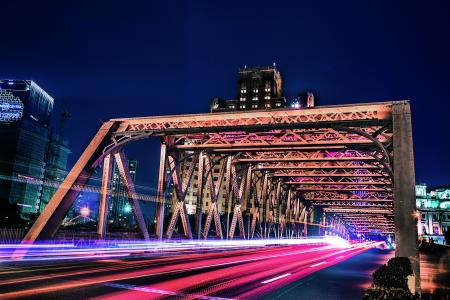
[122, 166]
[104, 195]
[199, 202]
[180, 187]
[50, 219]
[160, 197]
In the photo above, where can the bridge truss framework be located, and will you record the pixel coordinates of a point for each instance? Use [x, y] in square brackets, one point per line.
[353, 161]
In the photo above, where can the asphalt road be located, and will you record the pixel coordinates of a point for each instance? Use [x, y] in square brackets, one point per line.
[250, 273]
[346, 280]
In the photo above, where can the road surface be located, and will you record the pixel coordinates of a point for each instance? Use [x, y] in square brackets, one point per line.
[248, 273]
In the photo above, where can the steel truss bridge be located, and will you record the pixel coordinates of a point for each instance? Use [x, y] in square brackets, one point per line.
[355, 162]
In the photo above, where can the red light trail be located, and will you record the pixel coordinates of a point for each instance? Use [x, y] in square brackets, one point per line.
[249, 272]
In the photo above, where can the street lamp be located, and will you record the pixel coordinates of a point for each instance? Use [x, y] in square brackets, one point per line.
[127, 208]
[85, 211]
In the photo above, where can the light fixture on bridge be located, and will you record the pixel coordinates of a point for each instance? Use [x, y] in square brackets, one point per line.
[85, 211]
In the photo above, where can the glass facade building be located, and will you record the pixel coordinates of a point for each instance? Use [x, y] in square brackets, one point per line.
[120, 212]
[25, 111]
[56, 171]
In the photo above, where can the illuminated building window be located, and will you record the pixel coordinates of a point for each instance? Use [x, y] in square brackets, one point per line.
[243, 91]
[254, 105]
[267, 97]
[268, 105]
[255, 98]
[243, 99]
[243, 106]
[255, 90]
[231, 106]
[278, 104]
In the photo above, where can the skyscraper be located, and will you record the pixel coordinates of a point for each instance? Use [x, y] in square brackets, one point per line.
[25, 111]
[120, 211]
[55, 171]
[257, 88]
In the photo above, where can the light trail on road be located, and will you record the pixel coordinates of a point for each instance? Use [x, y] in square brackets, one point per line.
[228, 271]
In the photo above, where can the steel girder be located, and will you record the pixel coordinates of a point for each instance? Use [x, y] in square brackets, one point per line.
[279, 163]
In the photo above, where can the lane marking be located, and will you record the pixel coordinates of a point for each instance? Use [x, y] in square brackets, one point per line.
[161, 292]
[275, 278]
[318, 264]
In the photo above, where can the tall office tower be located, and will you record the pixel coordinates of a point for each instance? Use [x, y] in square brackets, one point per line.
[258, 88]
[57, 156]
[120, 211]
[25, 111]
[56, 169]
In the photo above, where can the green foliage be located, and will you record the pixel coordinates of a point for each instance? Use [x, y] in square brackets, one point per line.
[390, 281]
[401, 265]
[389, 278]
[382, 293]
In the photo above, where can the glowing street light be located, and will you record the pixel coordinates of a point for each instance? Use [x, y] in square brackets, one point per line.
[127, 208]
[85, 211]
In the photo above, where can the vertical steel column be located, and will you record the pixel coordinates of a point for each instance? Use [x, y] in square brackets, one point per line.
[277, 208]
[160, 197]
[404, 188]
[305, 224]
[180, 187]
[122, 165]
[104, 195]
[199, 204]
[287, 213]
[215, 190]
[228, 195]
[264, 204]
[238, 191]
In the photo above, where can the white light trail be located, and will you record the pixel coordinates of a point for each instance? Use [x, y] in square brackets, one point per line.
[276, 278]
[318, 264]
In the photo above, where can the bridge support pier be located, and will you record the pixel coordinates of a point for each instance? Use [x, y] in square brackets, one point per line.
[161, 192]
[404, 189]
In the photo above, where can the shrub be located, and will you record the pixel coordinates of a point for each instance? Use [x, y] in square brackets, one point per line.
[381, 293]
[390, 281]
[389, 278]
[402, 265]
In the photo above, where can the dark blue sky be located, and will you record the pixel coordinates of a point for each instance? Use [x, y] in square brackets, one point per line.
[127, 58]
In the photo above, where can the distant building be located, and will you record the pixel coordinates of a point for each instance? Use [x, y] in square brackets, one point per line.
[191, 193]
[434, 209]
[25, 111]
[257, 88]
[56, 169]
[120, 211]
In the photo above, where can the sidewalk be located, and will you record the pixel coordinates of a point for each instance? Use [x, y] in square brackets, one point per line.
[435, 271]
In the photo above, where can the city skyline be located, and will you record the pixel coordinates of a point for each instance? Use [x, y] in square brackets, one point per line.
[224, 150]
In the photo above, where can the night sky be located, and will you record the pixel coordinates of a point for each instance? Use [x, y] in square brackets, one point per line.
[127, 58]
